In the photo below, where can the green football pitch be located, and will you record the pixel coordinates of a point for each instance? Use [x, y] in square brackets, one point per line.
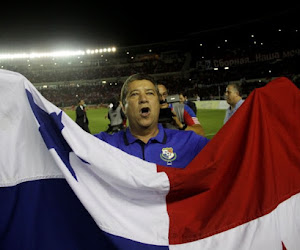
[211, 120]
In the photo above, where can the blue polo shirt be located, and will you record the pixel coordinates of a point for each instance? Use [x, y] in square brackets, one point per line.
[170, 147]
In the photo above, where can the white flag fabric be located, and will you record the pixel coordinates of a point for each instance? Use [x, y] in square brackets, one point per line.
[63, 188]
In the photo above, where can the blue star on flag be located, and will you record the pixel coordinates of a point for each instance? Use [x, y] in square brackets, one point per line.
[50, 129]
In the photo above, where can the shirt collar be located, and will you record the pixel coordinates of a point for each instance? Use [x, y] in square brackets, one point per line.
[161, 137]
[237, 105]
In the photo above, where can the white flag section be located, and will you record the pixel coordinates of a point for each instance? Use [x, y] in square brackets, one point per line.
[98, 172]
[62, 188]
[117, 189]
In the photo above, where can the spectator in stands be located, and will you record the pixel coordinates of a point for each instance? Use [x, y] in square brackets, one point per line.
[81, 116]
[117, 118]
[233, 96]
[145, 137]
[184, 99]
[184, 118]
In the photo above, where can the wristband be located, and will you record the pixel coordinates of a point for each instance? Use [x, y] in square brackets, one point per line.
[184, 127]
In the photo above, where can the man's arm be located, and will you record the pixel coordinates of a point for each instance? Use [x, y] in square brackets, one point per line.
[197, 128]
[191, 123]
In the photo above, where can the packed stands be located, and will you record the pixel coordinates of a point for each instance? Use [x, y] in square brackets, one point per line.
[201, 64]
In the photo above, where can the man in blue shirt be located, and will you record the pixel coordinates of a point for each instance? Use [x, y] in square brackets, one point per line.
[144, 137]
[233, 98]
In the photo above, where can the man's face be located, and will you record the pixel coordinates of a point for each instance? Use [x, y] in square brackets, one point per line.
[142, 105]
[181, 98]
[231, 95]
[163, 94]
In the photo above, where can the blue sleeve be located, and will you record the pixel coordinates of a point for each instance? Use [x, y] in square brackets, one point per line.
[112, 139]
[100, 136]
[189, 110]
[201, 142]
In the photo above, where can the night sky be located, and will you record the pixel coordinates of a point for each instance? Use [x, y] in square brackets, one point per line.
[82, 25]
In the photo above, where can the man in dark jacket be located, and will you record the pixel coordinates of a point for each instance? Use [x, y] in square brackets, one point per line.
[81, 117]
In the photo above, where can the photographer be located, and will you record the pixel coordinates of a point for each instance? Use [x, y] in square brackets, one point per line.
[181, 116]
[117, 118]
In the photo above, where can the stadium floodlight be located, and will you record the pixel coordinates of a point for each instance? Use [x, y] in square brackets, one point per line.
[55, 54]
[42, 55]
[104, 50]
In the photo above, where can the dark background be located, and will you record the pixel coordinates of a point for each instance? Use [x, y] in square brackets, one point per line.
[74, 25]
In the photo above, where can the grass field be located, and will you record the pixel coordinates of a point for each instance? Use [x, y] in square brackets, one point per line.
[211, 120]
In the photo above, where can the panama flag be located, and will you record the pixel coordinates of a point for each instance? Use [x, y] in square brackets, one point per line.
[62, 188]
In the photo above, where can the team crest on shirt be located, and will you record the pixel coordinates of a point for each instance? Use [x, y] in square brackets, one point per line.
[168, 155]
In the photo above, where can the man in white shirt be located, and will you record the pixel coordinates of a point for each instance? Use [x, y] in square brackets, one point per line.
[233, 98]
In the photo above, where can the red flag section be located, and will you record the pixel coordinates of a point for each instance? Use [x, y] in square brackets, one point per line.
[250, 167]
[283, 247]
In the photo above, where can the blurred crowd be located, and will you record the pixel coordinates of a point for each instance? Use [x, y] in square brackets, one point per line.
[201, 70]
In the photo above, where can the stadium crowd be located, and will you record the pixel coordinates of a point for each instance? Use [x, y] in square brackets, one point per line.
[198, 69]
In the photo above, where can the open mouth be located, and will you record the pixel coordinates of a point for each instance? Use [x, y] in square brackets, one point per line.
[145, 111]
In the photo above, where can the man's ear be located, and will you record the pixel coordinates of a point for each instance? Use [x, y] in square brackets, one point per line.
[123, 108]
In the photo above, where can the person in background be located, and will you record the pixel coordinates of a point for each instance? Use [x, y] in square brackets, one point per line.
[144, 137]
[117, 118]
[184, 117]
[184, 99]
[81, 116]
[233, 97]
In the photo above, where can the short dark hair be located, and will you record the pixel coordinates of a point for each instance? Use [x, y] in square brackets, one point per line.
[183, 93]
[237, 86]
[134, 77]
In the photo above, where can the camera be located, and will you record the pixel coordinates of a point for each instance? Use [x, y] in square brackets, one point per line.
[165, 115]
[172, 98]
